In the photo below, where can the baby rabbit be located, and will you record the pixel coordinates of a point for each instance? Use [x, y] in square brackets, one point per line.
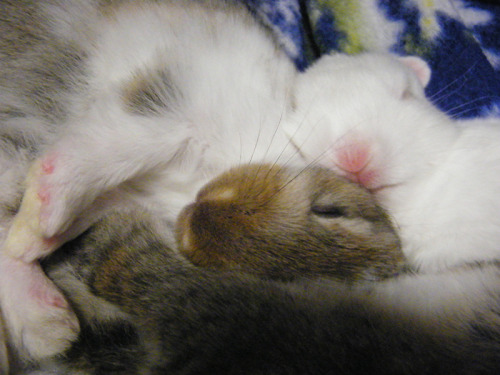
[283, 222]
[367, 118]
[144, 309]
[119, 101]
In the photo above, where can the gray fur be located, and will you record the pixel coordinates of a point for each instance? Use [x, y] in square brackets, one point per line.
[174, 318]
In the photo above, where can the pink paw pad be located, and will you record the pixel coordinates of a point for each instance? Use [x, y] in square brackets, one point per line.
[56, 300]
[44, 196]
[48, 165]
[51, 241]
[47, 295]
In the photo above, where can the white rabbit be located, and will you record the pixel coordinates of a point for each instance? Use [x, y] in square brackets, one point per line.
[118, 101]
[367, 117]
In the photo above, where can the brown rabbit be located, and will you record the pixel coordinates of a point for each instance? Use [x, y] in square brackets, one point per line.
[144, 309]
[284, 222]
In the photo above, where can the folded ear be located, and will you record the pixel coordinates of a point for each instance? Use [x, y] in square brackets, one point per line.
[419, 67]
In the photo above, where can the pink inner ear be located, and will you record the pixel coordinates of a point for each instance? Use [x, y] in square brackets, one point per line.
[419, 67]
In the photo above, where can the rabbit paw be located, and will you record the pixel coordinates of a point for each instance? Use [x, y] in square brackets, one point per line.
[26, 238]
[46, 213]
[39, 320]
[53, 183]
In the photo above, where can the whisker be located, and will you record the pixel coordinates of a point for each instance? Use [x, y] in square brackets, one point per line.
[290, 141]
[305, 168]
[241, 149]
[255, 146]
[470, 102]
[277, 127]
[256, 142]
[435, 99]
[460, 115]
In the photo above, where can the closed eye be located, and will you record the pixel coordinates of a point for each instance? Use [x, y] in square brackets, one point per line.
[327, 210]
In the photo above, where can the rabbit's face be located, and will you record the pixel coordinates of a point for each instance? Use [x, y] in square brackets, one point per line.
[286, 222]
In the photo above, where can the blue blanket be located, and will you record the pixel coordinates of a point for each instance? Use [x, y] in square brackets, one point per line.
[460, 40]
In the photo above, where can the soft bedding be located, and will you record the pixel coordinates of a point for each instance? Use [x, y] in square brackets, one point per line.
[459, 39]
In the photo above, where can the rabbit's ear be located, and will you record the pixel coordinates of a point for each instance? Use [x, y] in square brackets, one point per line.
[419, 67]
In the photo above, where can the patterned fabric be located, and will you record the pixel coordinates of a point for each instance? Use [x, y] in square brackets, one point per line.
[459, 39]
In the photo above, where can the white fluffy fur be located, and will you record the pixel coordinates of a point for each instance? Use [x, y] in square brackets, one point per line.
[428, 170]
[438, 178]
[234, 84]
[231, 105]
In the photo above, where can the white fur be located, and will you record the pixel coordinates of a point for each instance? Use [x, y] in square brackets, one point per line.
[234, 83]
[34, 325]
[438, 178]
[450, 301]
[459, 296]
[233, 99]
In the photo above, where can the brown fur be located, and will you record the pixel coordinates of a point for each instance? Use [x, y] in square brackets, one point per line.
[282, 222]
